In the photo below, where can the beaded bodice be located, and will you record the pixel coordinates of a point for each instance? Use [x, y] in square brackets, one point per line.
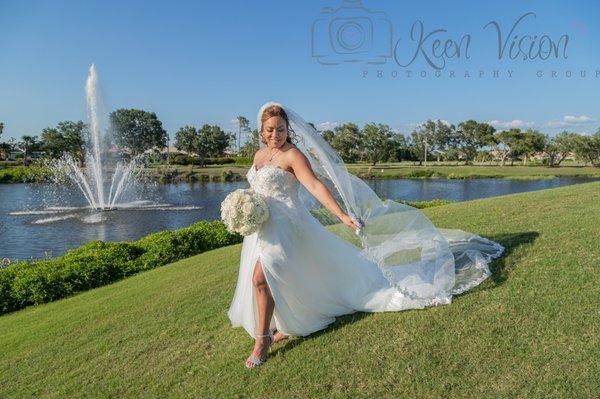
[273, 181]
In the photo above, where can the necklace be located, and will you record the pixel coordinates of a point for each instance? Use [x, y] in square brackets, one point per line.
[273, 154]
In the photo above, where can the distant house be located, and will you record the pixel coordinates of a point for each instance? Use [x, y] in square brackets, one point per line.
[120, 151]
[16, 153]
[439, 154]
[172, 150]
[230, 151]
[539, 155]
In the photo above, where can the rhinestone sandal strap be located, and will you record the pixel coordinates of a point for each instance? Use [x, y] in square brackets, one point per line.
[270, 335]
[255, 361]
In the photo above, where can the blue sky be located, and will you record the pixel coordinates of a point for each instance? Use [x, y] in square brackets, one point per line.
[207, 62]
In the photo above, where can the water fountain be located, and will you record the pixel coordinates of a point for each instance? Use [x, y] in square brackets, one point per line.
[101, 189]
[91, 181]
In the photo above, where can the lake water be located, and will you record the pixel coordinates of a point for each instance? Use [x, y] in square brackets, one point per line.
[35, 225]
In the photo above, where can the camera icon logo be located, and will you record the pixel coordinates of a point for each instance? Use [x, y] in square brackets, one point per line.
[351, 34]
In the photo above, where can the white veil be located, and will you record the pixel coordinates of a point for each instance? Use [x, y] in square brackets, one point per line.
[420, 260]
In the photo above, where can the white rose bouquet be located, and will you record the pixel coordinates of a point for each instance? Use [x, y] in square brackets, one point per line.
[243, 211]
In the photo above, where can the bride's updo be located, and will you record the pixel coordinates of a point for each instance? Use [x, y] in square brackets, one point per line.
[276, 110]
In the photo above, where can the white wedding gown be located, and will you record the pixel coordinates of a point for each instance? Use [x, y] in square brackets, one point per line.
[315, 275]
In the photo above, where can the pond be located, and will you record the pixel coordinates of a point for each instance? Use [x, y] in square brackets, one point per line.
[33, 224]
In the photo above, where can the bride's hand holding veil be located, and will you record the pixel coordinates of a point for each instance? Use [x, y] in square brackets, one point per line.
[305, 175]
[348, 221]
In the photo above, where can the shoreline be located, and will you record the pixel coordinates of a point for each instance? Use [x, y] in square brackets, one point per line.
[179, 174]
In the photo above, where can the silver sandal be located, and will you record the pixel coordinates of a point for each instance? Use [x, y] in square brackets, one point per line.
[259, 361]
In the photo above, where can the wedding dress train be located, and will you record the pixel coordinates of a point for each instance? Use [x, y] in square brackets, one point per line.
[314, 275]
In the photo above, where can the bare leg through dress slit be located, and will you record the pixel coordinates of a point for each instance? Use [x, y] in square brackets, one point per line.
[263, 297]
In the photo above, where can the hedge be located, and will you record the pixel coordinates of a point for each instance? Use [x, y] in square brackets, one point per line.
[100, 263]
[181, 159]
[25, 174]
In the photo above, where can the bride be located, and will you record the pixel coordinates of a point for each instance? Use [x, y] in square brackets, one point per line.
[296, 275]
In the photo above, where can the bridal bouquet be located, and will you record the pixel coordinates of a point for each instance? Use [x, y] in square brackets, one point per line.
[243, 211]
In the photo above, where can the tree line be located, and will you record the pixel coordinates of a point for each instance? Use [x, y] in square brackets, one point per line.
[134, 129]
[469, 141]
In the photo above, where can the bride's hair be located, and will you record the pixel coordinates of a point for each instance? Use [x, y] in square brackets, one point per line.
[276, 110]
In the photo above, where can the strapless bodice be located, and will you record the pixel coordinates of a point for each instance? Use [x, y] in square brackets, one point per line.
[273, 181]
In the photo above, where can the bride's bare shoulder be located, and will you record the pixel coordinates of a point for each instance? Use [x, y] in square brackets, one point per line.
[289, 148]
[297, 158]
[295, 151]
[258, 154]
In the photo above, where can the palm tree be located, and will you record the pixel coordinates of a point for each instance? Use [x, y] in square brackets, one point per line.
[243, 125]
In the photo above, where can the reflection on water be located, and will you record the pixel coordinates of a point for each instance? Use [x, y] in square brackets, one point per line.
[33, 226]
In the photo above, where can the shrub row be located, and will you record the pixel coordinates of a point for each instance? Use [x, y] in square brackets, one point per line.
[189, 160]
[25, 174]
[7, 164]
[181, 159]
[99, 263]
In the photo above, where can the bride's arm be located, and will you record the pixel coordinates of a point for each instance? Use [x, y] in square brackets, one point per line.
[307, 178]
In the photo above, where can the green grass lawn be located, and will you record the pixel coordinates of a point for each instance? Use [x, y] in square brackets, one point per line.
[532, 330]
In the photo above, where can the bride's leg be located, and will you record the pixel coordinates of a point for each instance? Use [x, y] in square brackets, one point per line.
[264, 299]
[266, 304]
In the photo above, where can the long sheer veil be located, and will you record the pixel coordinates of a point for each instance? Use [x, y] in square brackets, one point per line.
[421, 261]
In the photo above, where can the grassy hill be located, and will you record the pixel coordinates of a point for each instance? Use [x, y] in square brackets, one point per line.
[532, 330]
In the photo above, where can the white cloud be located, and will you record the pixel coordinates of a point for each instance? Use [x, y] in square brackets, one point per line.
[514, 124]
[326, 125]
[570, 120]
[557, 123]
[586, 132]
[578, 119]
[418, 124]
